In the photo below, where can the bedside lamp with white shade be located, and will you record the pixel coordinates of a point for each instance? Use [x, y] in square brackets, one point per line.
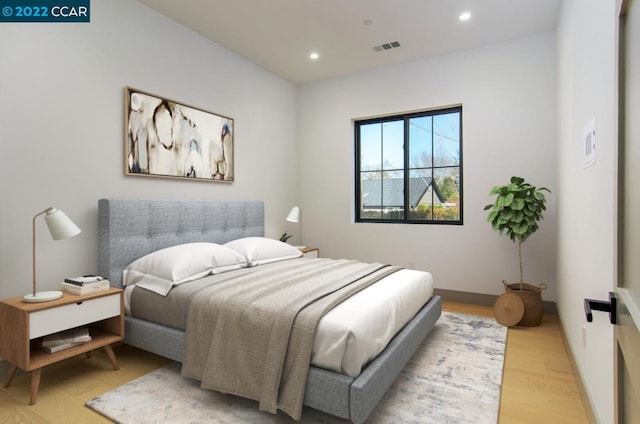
[294, 216]
[60, 227]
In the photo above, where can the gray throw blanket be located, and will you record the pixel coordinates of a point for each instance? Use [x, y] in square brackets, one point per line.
[252, 336]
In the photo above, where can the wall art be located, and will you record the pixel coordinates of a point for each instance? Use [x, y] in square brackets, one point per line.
[164, 138]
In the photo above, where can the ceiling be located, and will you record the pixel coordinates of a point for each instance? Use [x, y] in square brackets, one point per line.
[279, 35]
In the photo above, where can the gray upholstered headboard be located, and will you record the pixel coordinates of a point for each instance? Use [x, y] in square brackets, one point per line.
[131, 228]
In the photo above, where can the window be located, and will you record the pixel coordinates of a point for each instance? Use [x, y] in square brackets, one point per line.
[409, 168]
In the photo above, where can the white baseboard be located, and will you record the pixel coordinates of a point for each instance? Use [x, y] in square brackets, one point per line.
[584, 394]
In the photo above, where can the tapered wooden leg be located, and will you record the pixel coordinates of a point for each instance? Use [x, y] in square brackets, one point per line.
[35, 385]
[12, 373]
[112, 357]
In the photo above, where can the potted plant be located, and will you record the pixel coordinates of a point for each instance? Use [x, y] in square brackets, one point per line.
[515, 213]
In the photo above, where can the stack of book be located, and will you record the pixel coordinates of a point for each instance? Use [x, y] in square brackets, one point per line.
[65, 339]
[85, 285]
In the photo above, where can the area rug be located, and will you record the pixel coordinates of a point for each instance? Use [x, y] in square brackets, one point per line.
[454, 377]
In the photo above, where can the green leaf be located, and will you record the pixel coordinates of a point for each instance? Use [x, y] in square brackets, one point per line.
[495, 190]
[508, 199]
[517, 204]
[508, 213]
[520, 229]
[517, 216]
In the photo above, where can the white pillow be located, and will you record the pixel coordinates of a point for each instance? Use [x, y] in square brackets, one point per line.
[159, 271]
[261, 250]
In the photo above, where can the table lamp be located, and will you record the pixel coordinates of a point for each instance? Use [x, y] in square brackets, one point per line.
[60, 227]
[294, 216]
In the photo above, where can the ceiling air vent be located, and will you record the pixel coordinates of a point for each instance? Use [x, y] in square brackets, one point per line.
[386, 46]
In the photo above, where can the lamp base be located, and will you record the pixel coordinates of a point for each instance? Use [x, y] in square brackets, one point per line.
[43, 296]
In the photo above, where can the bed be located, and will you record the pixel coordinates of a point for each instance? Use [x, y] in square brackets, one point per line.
[132, 228]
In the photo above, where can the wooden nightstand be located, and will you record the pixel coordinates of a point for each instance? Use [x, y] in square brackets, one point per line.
[22, 325]
[310, 252]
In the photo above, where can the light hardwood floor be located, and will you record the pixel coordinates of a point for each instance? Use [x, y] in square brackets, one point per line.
[538, 383]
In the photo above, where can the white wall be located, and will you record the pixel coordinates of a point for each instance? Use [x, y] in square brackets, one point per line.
[61, 120]
[508, 93]
[587, 81]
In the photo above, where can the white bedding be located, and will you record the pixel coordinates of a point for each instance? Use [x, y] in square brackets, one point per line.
[358, 329]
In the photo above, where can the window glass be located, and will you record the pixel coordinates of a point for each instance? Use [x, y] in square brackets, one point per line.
[409, 168]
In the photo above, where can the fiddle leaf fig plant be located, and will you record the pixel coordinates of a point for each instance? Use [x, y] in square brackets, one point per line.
[516, 211]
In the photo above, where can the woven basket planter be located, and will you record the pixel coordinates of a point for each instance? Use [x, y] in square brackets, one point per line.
[531, 297]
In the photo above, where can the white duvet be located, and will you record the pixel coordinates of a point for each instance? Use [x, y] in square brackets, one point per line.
[358, 329]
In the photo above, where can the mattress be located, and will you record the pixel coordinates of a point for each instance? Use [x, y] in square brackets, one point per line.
[347, 337]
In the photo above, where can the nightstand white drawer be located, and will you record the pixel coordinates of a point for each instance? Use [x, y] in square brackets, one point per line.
[61, 318]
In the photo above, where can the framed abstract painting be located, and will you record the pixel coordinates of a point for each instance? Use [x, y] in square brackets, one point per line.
[164, 138]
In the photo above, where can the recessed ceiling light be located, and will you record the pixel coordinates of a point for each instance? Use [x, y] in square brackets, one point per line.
[367, 22]
[465, 16]
[314, 56]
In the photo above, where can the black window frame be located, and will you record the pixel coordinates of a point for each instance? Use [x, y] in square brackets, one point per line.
[406, 117]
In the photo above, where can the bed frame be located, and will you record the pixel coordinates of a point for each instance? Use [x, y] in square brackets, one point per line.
[129, 229]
